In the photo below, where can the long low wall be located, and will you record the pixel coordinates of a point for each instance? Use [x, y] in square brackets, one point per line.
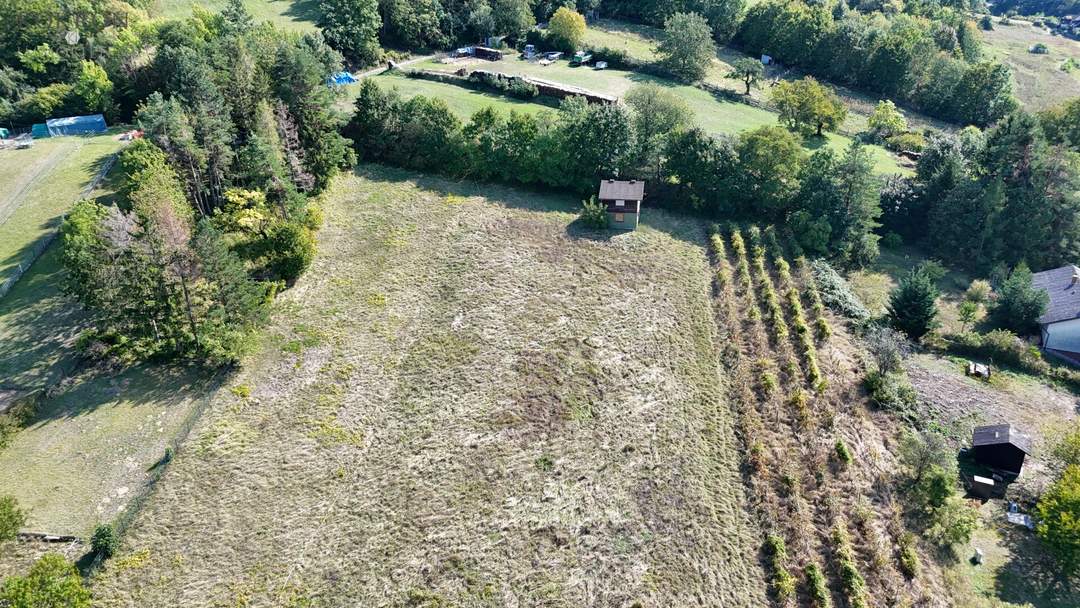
[546, 88]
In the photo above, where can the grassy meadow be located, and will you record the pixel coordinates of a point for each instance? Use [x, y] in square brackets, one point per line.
[299, 15]
[468, 400]
[39, 185]
[1039, 80]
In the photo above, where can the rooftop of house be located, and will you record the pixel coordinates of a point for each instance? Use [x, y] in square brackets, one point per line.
[1063, 286]
[613, 189]
[1000, 434]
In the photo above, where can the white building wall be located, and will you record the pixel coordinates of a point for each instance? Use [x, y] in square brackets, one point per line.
[1063, 335]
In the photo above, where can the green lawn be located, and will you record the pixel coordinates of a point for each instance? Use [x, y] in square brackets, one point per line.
[290, 14]
[714, 114]
[47, 181]
[464, 102]
[639, 41]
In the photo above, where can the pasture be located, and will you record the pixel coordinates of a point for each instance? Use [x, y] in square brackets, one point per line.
[468, 400]
[1040, 81]
[298, 15]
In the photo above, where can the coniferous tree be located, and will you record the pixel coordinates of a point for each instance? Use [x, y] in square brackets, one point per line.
[913, 304]
[1019, 304]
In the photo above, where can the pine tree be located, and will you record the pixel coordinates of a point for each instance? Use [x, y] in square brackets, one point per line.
[913, 304]
[1019, 304]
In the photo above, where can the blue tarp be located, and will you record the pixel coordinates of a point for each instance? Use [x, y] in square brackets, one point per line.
[76, 125]
[3, 133]
[39, 131]
[341, 78]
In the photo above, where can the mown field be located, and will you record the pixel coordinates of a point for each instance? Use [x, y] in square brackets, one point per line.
[299, 15]
[38, 185]
[712, 113]
[1040, 81]
[468, 400]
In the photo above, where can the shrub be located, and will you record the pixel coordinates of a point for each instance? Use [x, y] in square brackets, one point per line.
[850, 580]
[836, 293]
[104, 542]
[783, 581]
[909, 557]
[1000, 346]
[291, 250]
[891, 391]
[887, 346]
[953, 523]
[913, 304]
[978, 292]
[1039, 49]
[986, 23]
[11, 518]
[593, 213]
[817, 587]
[906, 142]
[1019, 303]
[892, 240]
[52, 582]
[843, 454]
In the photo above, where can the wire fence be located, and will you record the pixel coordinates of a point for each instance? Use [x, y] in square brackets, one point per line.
[39, 248]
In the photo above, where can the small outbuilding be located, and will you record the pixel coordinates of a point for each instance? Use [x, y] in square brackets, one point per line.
[1000, 447]
[623, 202]
[487, 53]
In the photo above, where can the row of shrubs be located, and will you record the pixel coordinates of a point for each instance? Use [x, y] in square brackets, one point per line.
[1003, 347]
[506, 85]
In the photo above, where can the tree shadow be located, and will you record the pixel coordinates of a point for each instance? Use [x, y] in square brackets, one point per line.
[530, 198]
[1031, 575]
[302, 10]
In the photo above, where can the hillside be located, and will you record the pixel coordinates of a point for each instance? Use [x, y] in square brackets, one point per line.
[468, 400]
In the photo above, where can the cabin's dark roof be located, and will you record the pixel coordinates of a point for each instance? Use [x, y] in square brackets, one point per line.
[613, 189]
[1000, 434]
[1064, 293]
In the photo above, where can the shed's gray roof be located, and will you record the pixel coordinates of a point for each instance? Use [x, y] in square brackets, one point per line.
[997, 434]
[1064, 294]
[613, 189]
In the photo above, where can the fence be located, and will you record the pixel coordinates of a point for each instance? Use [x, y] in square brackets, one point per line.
[43, 244]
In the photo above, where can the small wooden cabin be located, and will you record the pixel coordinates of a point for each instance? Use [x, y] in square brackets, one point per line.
[1000, 447]
[623, 202]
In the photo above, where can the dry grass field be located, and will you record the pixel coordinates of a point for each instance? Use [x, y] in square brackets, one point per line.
[469, 400]
[1040, 81]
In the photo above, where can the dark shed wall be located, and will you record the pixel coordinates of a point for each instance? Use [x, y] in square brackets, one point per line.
[1004, 456]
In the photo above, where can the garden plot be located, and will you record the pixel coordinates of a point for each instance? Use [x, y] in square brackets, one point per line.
[468, 400]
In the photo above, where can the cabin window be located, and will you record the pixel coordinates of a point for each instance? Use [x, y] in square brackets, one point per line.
[620, 203]
[618, 217]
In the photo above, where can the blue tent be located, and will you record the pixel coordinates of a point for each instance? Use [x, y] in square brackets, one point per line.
[39, 131]
[341, 78]
[76, 125]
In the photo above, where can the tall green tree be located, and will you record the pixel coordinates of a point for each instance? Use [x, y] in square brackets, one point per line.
[770, 159]
[1058, 516]
[657, 112]
[1019, 304]
[352, 27]
[749, 71]
[566, 30]
[808, 106]
[687, 48]
[913, 304]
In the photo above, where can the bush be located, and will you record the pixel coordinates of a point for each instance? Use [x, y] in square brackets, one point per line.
[1057, 514]
[817, 587]
[104, 542]
[52, 582]
[978, 292]
[953, 523]
[906, 142]
[986, 23]
[783, 581]
[892, 240]
[843, 454]
[1000, 346]
[909, 557]
[1039, 49]
[593, 213]
[291, 250]
[11, 518]
[836, 293]
[891, 392]
[512, 86]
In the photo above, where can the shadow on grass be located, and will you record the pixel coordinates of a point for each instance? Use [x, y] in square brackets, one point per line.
[302, 10]
[682, 227]
[1031, 576]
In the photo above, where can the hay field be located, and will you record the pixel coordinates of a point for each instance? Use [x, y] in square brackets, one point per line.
[467, 401]
[1040, 81]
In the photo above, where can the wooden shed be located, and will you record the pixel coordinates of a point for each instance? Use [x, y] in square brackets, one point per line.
[623, 202]
[1000, 447]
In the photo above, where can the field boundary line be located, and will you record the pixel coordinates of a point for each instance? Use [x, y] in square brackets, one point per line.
[40, 169]
[44, 243]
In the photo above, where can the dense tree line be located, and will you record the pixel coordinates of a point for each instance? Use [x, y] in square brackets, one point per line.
[934, 64]
[991, 200]
[1037, 7]
[830, 199]
[212, 215]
